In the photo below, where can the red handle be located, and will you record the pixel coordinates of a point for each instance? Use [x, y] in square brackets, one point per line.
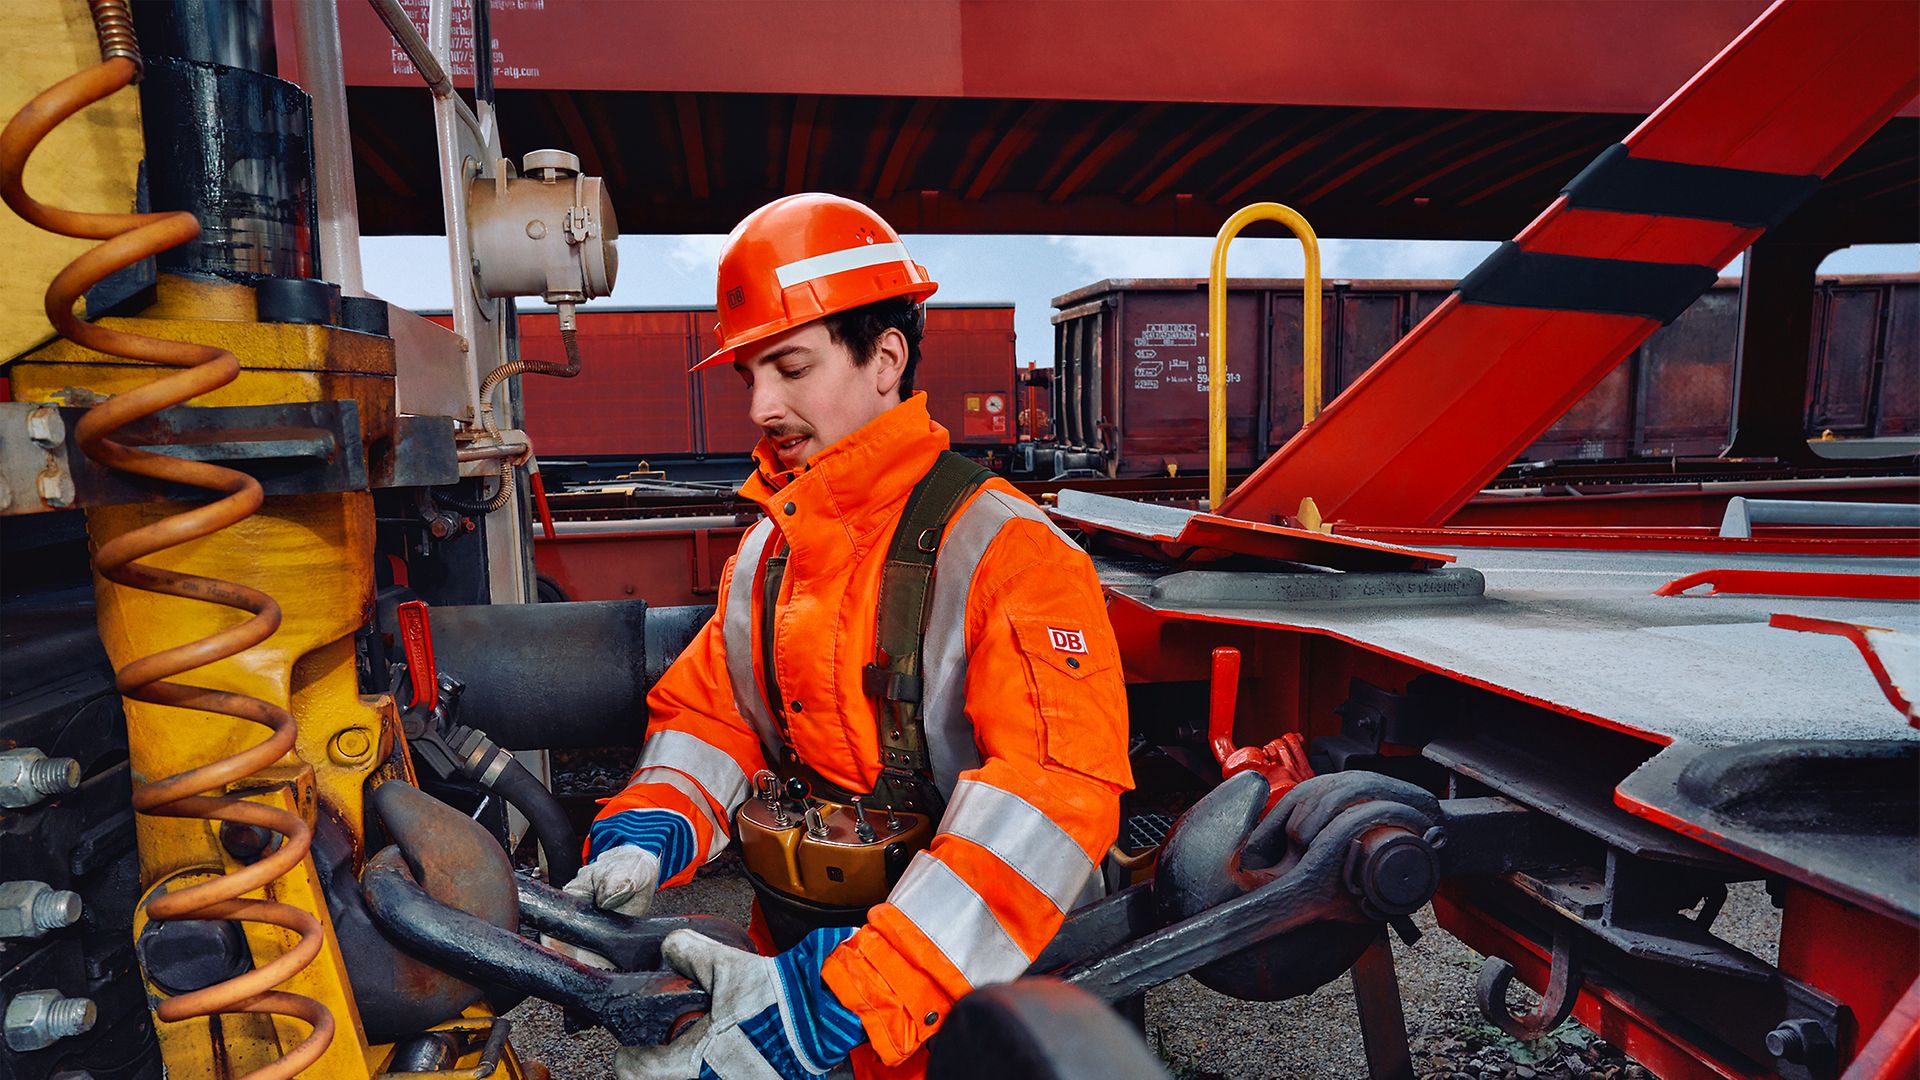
[417, 638]
[1223, 692]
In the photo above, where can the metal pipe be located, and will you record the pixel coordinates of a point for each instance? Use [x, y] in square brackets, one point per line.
[415, 46]
[485, 453]
[1743, 513]
[317, 45]
[636, 526]
[1217, 333]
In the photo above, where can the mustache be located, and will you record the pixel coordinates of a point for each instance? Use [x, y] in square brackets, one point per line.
[779, 432]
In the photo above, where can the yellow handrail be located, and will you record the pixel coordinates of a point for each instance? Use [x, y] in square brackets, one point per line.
[1217, 333]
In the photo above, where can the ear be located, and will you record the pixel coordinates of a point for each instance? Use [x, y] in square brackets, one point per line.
[889, 362]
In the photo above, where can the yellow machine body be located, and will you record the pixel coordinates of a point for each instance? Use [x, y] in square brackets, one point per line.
[314, 554]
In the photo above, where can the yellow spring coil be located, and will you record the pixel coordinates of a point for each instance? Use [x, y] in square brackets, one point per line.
[125, 240]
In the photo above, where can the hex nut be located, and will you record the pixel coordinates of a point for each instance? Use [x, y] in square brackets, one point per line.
[37, 1019]
[29, 909]
[46, 428]
[27, 776]
[56, 488]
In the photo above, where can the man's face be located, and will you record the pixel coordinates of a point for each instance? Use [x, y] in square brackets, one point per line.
[809, 394]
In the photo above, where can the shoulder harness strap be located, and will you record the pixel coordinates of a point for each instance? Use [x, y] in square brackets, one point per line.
[906, 774]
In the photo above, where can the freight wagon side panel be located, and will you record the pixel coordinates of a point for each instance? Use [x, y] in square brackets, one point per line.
[967, 370]
[1899, 397]
[633, 395]
[1685, 401]
[723, 421]
[1160, 354]
[1286, 359]
[1847, 328]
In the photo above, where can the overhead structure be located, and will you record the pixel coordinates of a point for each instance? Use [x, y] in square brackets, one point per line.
[1392, 119]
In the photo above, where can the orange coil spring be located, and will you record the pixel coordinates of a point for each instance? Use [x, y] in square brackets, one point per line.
[127, 239]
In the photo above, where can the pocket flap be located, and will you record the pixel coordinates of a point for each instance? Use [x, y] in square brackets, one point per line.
[1062, 645]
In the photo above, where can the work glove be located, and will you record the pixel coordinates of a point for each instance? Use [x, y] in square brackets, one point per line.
[769, 1015]
[619, 879]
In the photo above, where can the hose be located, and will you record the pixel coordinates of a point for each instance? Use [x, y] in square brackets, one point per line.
[487, 386]
[126, 239]
[544, 816]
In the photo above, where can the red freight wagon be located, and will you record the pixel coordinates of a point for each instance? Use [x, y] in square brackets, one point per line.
[634, 397]
[1129, 359]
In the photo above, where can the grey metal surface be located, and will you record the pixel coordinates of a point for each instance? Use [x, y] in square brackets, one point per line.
[1743, 513]
[1372, 588]
[1837, 813]
[1148, 521]
[1582, 632]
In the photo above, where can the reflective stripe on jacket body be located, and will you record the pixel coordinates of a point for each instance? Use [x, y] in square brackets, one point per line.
[1025, 714]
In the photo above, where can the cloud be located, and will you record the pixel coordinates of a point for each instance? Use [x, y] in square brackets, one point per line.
[695, 254]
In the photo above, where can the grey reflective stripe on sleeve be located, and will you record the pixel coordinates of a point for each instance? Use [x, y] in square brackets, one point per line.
[943, 653]
[709, 766]
[958, 922]
[677, 780]
[736, 630]
[1021, 836]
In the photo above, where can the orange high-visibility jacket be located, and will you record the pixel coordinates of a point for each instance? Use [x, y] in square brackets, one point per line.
[1024, 709]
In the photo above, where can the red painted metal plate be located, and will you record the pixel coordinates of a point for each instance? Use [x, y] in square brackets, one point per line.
[1437, 418]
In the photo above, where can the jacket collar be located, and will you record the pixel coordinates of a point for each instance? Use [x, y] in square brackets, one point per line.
[855, 488]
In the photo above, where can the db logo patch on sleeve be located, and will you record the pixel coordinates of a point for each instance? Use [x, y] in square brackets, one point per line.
[1072, 641]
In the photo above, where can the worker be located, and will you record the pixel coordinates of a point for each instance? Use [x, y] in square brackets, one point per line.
[958, 739]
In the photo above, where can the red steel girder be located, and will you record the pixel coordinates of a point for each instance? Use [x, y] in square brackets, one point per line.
[1449, 406]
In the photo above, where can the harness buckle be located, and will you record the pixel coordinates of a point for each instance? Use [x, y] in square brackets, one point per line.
[890, 685]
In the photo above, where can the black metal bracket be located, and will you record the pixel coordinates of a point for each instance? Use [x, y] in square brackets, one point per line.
[294, 449]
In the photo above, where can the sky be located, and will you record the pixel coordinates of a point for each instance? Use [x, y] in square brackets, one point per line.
[1028, 271]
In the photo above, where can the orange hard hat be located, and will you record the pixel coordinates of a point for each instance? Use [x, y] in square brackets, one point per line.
[804, 257]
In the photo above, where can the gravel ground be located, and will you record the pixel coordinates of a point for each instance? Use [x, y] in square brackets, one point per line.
[1203, 1035]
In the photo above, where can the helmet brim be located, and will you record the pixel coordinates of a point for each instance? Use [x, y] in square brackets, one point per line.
[918, 290]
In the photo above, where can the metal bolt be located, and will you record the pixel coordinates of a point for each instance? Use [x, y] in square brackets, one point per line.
[28, 776]
[1799, 1042]
[184, 955]
[37, 1019]
[247, 842]
[1392, 870]
[28, 909]
[56, 488]
[46, 428]
[351, 746]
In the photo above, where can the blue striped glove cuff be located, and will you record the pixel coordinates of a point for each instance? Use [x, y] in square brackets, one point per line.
[666, 835]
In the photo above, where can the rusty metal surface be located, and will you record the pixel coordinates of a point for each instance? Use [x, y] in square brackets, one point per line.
[1582, 632]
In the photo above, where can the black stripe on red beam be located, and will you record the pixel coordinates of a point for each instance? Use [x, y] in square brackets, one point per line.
[1625, 184]
[1516, 277]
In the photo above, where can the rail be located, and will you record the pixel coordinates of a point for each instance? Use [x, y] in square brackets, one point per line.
[1310, 315]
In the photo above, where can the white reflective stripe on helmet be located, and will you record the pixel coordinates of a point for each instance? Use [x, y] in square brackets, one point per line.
[708, 765]
[835, 262]
[736, 630]
[1022, 837]
[958, 922]
[943, 653]
[671, 776]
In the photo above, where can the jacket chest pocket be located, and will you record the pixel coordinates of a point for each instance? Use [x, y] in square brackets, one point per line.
[1073, 678]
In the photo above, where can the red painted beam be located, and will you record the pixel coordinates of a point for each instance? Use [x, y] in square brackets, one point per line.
[1476, 54]
[1449, 406]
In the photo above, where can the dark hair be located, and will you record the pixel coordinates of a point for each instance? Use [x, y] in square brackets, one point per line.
[860, 329]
